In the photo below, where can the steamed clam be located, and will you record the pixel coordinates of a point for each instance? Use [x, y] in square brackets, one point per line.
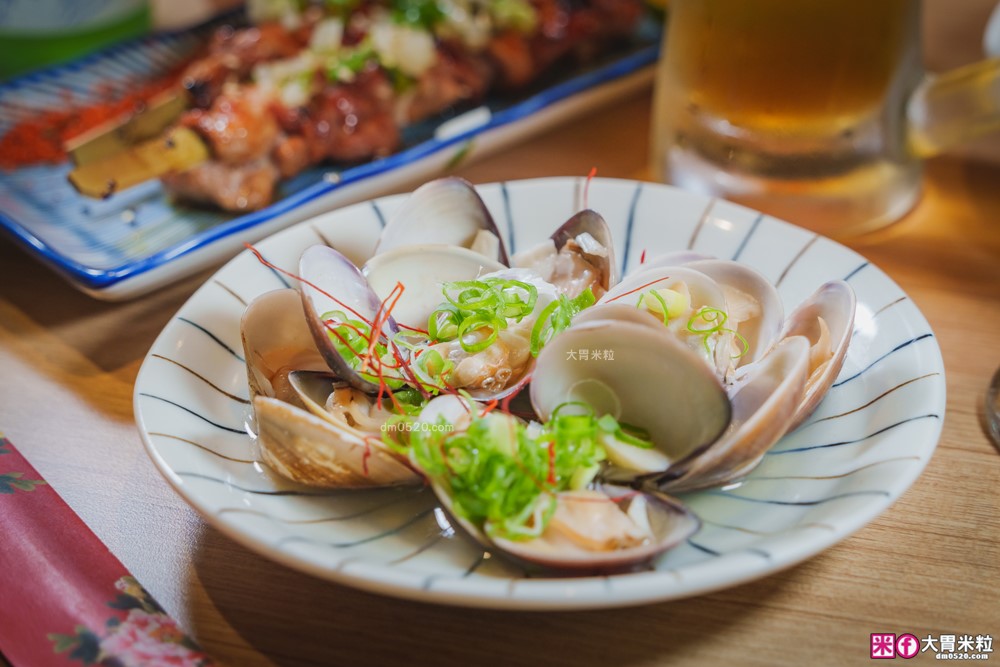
[826, 319]
[446, 211]
[296, 440]
[692, 308]
[555, 515]
[455, 340]
[578, 256]
[677, 377]
[762, 410]
[687, 413]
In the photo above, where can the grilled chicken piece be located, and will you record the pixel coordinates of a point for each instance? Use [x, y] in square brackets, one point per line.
[233, 188]
[566, 28]
[348, 122]
[457, 76]
[239, 126]
[291, 155]
[233, 53]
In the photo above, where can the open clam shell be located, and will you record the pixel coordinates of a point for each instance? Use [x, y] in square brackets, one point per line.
[704, 293]
[826, 319]
[505, 366]
[752, 303]
[666, 522]
[422, 269]
[276, 340]
[588, 260]
[580, 229]
[601, 529]
[310, 450]
[642, 378]
[763, 409]
[618, 311]
[331, 283]
[306, 448]
[446, 211]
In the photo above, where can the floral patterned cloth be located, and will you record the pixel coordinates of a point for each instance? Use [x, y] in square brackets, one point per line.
[77, 602]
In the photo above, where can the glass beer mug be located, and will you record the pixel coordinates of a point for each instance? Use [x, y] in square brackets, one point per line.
[816, 111]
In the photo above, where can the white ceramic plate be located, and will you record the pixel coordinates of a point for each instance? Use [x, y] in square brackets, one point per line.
[864, 446]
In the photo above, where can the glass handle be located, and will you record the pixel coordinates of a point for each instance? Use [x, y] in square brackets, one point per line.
[951, 108]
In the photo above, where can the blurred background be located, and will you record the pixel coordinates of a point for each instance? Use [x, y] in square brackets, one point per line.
[39, 33]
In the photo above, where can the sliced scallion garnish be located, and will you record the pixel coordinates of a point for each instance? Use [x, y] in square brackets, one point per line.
[480, 305]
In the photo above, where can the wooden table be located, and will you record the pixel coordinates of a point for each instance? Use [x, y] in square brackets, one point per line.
[929, 565]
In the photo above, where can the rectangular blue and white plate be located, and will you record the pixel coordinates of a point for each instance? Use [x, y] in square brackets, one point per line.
[140, 240]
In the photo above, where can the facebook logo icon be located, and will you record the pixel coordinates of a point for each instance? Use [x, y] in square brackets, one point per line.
[907, 646]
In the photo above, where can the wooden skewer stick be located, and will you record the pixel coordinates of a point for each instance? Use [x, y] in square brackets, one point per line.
[179, 150]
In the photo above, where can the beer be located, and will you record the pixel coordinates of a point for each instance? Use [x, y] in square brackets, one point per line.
[791, 66]
[794, 107]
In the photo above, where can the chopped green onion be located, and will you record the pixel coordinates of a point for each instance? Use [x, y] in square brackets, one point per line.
[351, 338]
[475, 323]
[557, 317]
[743, 343]
[349, 62]
[544, 328]
[713, 316]
[504, 476]
[434, 366]
[717, 319]
[418, 13]
[630, 435]
[409, 400]
[443, 323]
[485, 304]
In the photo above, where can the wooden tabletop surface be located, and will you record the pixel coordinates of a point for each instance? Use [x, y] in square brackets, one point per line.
[928, 565]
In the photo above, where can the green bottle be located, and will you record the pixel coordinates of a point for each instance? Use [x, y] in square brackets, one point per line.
[39, 33]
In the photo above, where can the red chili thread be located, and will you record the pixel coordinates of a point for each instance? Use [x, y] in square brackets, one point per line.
[381, 317]
[401, 363]
[586, 187]
[291, 275]
[552, 462]
[365, 456]
[640, 287]
[488, 408]
[371, 338]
